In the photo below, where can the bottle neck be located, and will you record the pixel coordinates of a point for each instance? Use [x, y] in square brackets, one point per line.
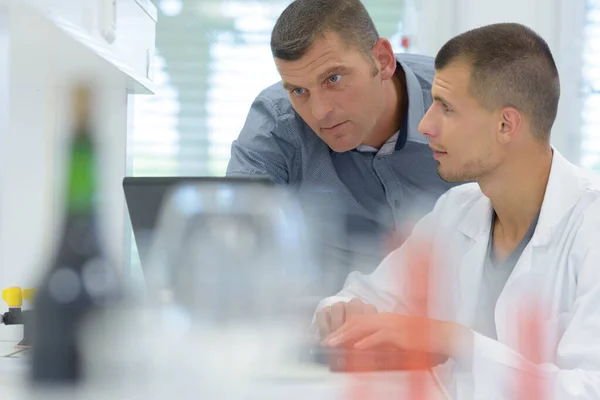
[81, 175]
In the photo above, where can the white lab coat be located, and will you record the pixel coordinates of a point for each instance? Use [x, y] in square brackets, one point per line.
[560, 268]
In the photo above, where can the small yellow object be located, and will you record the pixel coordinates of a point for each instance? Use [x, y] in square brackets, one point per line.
[13, 296]
[29, 294]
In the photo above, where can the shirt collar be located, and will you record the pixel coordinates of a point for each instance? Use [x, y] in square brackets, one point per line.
[398, 139]
[389, 145]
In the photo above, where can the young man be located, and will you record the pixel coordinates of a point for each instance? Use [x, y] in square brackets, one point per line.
[342, 126]
[513, 259]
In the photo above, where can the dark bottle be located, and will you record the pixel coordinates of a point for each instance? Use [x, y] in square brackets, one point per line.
[79, 279]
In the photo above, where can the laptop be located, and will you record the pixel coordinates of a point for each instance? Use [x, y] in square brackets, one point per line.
[144, 197]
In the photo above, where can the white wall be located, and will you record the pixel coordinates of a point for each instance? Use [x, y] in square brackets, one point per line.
[559, 22]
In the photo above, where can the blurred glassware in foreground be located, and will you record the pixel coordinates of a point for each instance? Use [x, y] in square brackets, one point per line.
[230, 268]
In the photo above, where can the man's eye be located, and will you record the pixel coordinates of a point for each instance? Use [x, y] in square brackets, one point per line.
[445, 107]
[298, 91]
[334, 78]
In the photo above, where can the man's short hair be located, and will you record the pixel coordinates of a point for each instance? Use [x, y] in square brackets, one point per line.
[511, 66]
[304, 21]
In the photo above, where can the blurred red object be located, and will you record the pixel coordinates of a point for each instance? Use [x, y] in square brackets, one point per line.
[531, 386]
[418, 264]
[405, 42]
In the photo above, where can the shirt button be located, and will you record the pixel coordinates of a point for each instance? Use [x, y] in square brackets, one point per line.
[397, 203]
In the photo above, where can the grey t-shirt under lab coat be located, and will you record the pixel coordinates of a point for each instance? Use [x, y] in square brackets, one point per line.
[495, 275]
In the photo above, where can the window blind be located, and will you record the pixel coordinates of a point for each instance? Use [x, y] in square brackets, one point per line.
[590, 130]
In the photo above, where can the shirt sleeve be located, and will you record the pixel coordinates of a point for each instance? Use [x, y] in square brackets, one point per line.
[385, 287]
[261, 150]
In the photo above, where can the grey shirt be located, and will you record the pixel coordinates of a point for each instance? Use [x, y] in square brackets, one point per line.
[369, 192]
[495, 275]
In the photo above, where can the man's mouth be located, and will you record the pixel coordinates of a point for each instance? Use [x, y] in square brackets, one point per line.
[437, 154]
[333, 126]
[335, 131]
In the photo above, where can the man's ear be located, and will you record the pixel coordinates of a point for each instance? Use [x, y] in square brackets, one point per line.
[384, 58]
[509, 124]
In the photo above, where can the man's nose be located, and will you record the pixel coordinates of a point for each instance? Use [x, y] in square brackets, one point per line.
[426, 124]
[321, 106]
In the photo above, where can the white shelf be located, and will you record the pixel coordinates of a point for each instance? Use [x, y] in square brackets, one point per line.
[73, 28]
[137, 83]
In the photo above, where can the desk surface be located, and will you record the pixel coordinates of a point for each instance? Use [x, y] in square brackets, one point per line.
[311, 382]
[13, 370]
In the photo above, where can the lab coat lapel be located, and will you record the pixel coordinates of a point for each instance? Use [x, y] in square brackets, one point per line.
[476, 227]
[562, 193]
[561, 196]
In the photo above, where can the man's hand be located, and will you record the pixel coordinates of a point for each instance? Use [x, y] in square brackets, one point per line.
[401, 332]
[332, 318]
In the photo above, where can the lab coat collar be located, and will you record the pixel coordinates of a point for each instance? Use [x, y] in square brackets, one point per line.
[476, 225]
[477, 221]
[561, 195]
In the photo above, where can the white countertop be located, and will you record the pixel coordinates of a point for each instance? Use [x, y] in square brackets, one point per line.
[312, 382]
[13, 370]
